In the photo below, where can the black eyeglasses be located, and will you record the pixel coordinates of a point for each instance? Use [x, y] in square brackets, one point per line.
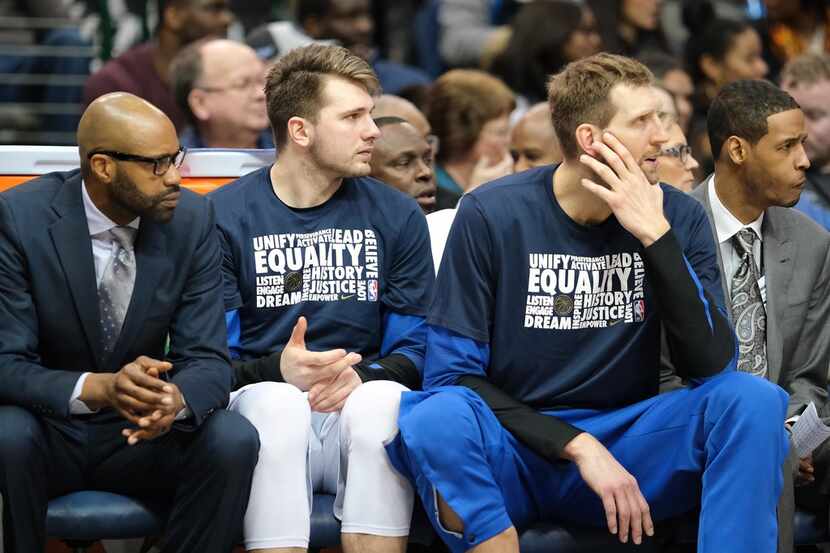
[681, 152]
[161, 164]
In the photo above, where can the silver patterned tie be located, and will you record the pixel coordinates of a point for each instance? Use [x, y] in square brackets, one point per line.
[116, 287]
[748, 310]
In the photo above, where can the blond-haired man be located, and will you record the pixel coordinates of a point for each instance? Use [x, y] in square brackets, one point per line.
[543, 349]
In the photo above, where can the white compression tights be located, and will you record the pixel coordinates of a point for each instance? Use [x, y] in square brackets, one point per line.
[303, 451]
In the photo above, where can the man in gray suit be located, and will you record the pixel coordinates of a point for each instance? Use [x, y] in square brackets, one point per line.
[775, 262]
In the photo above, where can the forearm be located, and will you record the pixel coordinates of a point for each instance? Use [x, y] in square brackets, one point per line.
[701, 339]
[260, 369]
[94, 392]
[395, 367]
[802, 394]
[545, 435]
[806, 368]
[40, 389]
[402, 352]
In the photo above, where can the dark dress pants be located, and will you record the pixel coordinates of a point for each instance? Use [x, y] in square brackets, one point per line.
[204, 475]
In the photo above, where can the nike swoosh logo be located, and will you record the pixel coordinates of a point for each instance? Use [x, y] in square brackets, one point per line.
[347, 297]
[612, 323]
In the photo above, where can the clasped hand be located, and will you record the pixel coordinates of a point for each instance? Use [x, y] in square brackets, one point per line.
[327, 376]
[142, 397]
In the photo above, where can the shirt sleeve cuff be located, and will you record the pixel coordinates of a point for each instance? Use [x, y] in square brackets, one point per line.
[185, 413]
[76, 406]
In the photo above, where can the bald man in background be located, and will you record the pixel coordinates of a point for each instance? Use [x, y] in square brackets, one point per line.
[389, 105]
[112, 344]
[532, 142]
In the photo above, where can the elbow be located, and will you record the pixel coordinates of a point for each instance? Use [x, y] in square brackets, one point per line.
[720, 356]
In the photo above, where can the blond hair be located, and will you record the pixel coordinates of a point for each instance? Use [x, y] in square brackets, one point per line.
[807, 69]
[295, 83]
[580, 93]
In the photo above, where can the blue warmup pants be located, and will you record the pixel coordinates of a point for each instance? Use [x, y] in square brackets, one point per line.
[719, 445]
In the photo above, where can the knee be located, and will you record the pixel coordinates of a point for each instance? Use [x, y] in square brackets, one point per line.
[232, 441]
[370, 415]
[20, 434]
[436, 426]
[750, 398]
[280, 412]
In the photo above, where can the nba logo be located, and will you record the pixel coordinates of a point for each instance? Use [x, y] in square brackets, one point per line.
[373, 290]
[639, 311]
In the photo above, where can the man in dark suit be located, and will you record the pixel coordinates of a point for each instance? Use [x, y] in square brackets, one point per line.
[104, 272]
[775, 261]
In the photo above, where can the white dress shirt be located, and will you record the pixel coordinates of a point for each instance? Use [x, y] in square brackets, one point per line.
[103, 248]
[727, 226]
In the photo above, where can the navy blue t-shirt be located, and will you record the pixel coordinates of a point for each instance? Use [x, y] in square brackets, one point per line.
[564, 311]
[345, 265]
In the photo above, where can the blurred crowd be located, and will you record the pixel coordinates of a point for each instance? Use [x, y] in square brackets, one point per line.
[473, 71]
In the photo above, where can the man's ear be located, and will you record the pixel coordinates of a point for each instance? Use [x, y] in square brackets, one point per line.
[586, 134]
[737, 149]
[300, 131]
[102, 167]
[196, 100]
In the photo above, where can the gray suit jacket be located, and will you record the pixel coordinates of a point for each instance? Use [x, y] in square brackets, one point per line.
[796, 254]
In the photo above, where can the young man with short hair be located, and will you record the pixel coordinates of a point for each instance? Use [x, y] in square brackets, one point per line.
[327, 276]
[775, 261]
[543, 348]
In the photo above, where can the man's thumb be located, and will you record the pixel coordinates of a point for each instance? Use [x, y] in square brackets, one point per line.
[298, 333]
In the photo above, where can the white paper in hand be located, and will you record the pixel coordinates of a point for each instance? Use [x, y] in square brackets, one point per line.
[809, 432]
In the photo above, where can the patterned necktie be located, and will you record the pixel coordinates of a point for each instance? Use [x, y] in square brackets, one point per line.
[748, 310]
[116, 287]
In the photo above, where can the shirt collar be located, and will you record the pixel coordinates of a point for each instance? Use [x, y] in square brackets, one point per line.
[96, 221]
[726, 224]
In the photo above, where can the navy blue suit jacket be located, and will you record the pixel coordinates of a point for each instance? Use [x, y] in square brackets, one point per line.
[49, 324]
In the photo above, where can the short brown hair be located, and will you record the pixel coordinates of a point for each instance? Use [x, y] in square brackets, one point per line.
[807, 69]
[460, 103]
[295, 83]
[580, 93]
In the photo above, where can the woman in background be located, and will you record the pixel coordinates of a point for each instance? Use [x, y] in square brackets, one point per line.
[535, 51]
[630, 27]
[718, 52]
[469, 112]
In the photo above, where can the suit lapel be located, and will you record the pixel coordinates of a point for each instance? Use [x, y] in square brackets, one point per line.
[70, 236]
[150, 263]
[779, 253]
